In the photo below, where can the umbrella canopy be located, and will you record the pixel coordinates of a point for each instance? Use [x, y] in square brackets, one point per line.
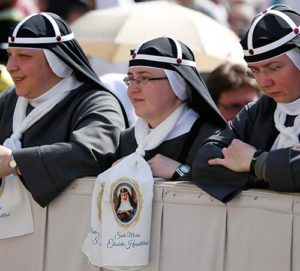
[111, 33]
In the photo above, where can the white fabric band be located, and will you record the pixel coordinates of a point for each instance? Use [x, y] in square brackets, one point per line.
[165, 59]
[275, 44]
[292, 108]
[36, 40]
[149, 139]
[40, 40]
[184, 123]
[178, 60]
[288, 136]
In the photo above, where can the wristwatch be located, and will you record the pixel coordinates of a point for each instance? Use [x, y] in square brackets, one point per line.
[13, 166]
[181, 170]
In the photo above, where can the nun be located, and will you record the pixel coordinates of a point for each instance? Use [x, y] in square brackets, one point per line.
[162, 81]
[260, 147]
[57, 122]
[175, 114]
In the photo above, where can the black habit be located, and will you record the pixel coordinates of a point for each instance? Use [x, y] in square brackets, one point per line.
[182, 148]
[65, 143]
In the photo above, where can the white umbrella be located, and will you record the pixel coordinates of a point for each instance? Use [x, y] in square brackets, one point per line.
[111, 33]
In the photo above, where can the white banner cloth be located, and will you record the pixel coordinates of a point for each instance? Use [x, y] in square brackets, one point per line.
[120, 238]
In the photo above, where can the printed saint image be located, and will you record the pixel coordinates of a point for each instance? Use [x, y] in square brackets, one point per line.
[125, 202]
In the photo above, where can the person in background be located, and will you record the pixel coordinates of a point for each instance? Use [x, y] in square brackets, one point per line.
[240, 15]
[5, 78]
[27, 7]
[232, 88]
[75, 10]
[69, 11]
[260, 147]
[216, 9]
[291, 3]
[163, 83]
[103, 4]
[10, 15]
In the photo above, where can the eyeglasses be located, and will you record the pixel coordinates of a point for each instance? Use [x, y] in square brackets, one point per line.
[272, 70]
[141, 81]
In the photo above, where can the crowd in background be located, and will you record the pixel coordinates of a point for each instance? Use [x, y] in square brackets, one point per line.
[237, 14]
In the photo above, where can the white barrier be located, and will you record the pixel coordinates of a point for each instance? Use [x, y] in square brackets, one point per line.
[191, 231]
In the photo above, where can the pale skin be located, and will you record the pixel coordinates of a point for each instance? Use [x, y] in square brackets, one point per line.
[237, 156]
[32, 77]
[5, 155]
[240, 96]
[279, 79]
[163, 166]
[154, 103]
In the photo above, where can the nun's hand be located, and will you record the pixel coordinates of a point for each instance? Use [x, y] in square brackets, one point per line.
[5, 155]
[163, 166]
[237, 156]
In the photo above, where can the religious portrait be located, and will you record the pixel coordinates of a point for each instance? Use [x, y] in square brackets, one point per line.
[125, 202]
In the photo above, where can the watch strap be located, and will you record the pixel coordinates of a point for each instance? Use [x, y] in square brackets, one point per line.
[253, 162]
[175, 175]
[178, 172]
[13, 166]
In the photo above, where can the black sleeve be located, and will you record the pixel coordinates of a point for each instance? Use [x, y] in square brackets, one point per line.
[218, 181]
[283, 170]
[92, 134]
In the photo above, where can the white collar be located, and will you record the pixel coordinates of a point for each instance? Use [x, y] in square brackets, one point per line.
[68, 83]
[292, 108]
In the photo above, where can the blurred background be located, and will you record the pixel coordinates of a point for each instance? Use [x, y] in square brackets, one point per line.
[108, 29]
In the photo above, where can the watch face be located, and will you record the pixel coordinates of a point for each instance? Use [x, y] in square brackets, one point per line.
[185, 169]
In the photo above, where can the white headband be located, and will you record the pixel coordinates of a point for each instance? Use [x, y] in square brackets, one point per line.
[38, 40]
[273, 45]
[172, 60]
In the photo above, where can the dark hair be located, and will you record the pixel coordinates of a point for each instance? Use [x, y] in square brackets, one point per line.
[5, 4]
[228, 77]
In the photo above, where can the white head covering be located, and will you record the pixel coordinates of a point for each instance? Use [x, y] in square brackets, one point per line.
[178, 84]
[294, 56]
[60, 68]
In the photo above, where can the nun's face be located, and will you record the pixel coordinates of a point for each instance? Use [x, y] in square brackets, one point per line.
[155, 100]
[278, 77]
[30, 71]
